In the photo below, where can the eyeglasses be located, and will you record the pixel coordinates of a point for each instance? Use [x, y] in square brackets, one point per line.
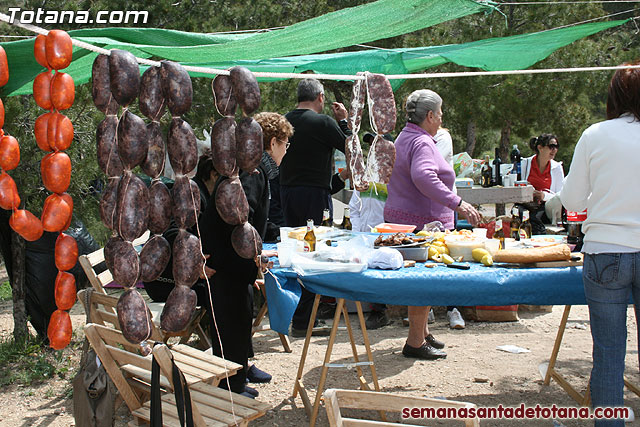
[554, 146]
[285, 143]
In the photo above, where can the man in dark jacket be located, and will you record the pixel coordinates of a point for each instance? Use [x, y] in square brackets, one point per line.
[306, 170]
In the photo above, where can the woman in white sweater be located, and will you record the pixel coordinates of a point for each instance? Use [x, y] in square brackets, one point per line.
[603, 178]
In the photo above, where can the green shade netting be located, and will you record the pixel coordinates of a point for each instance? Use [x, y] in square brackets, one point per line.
[505, 53]
[345, 27]
[496, 54]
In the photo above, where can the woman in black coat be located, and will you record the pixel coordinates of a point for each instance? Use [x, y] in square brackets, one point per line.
[230, 284]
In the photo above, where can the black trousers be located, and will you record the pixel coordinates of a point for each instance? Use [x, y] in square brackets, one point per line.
[300, 204]
[233, 309]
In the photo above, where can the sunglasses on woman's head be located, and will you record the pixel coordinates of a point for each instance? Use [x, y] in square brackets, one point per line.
[554, 146]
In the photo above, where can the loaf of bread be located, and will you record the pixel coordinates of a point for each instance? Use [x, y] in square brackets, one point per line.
[559, 252]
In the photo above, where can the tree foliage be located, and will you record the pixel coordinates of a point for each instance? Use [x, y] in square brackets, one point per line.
[485, 108]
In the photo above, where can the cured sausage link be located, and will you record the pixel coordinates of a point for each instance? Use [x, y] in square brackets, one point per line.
[382, 104]
[178, 309]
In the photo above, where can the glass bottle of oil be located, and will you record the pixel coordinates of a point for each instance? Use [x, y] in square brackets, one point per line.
[525, 227]
[346, 221]
[310, 237]
[486, 172]
[515, 223]
[326, 220]
[499, 233]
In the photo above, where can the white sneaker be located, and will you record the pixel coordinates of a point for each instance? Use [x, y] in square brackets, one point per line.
[631, 417]
[432, 317]
[455, 319]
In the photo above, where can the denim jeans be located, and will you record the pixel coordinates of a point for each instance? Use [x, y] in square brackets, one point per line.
[609, 279]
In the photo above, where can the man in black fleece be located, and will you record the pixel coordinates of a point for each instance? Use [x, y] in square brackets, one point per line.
[305, 172]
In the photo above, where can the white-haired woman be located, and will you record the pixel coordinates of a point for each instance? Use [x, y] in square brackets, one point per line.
[421, 191]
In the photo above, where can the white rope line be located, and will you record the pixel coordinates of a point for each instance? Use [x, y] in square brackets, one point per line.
[213, 71]
[508, 72]
[261, 30]
[595, 19]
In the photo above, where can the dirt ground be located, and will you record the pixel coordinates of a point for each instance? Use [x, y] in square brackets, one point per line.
[474, 371]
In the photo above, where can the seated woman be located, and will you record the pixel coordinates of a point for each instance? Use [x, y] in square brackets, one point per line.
[546, 175]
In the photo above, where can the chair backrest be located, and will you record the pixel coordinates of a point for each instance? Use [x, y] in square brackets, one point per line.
[119, 356]
[98, 282]
[336, 399]
[88, 262]
[101, 310]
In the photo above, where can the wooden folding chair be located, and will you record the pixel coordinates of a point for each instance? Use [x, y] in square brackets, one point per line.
[98, 281]
[200, 366]
[131, 374]
[210, 405]
[257, 323]
[336, 399]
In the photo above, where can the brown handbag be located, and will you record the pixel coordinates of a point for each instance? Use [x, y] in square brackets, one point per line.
[94, 394]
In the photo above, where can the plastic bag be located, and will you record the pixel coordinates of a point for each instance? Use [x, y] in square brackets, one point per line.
[318, 263]
[386, 259]
[462, 165]
[348, 257]
[433, 227]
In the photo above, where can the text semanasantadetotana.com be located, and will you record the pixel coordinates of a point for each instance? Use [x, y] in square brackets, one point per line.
[44, 16]
[517, 412]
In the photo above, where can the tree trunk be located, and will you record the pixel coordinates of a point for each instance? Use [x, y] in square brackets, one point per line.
[18, 248]
[505, 141]
[471, 137]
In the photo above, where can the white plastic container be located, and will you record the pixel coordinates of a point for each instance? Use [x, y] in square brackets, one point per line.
[286, 250]
[463, 246]
[492, 245]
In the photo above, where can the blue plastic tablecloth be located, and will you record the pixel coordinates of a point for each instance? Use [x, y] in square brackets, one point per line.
[420, 285]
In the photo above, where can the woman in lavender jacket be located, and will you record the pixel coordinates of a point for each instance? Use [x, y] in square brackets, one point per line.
[421, 191]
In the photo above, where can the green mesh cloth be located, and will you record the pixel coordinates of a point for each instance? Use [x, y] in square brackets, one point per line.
[502, 53]
[345, 27]
[506, 53]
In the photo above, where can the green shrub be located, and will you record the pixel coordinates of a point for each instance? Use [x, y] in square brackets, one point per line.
[5, 291]
[29, 362]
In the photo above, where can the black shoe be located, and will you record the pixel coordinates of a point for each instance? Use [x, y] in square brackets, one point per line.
[425, 351]
[255, 375]
[326, 311]
[376, 320]
[252, 391]
[247, 394]
[433, 342]
[320, 329]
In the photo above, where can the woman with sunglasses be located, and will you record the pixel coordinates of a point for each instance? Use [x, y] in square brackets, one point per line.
[546, 175]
